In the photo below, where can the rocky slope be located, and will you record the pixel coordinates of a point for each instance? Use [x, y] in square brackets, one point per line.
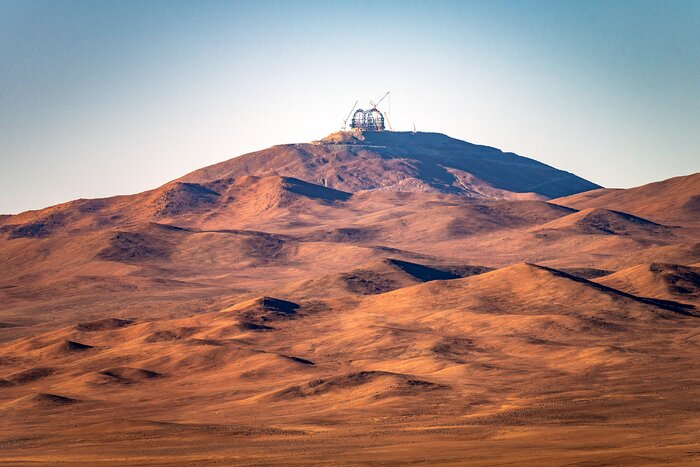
[403, 161]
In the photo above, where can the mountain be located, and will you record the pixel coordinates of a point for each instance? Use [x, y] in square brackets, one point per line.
[403, 161]
[370, 298]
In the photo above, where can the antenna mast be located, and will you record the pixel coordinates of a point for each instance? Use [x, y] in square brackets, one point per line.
[384, 114]
[345, 122]
[372, 103]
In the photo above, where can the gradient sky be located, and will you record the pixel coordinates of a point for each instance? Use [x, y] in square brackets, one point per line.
[99, 98]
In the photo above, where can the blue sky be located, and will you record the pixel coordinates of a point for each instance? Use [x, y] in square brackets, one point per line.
[99, 98]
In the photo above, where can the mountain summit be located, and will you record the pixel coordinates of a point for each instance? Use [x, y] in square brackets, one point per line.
[403, 161]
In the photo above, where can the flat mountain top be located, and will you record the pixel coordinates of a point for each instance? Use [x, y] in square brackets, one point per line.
[403, 161]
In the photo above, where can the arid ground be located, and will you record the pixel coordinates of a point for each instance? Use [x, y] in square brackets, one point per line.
[377, 298]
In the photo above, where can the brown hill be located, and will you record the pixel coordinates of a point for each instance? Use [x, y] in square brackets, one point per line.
[604, 221]
[537, 289]
[658, 280]
[675, 201]
[377, 277]
[246, 196]
[401, 161]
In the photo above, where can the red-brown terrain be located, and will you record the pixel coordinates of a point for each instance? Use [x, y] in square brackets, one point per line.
[369, 298]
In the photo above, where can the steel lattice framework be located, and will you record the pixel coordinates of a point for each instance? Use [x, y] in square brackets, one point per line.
[371, 120]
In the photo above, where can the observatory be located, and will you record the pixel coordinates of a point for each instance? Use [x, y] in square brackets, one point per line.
[372, 119]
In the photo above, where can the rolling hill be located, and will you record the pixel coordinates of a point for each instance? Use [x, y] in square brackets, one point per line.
[376, 298]
[669, 201]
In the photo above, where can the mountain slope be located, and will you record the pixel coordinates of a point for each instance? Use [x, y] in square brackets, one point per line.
[403, 161]
[658, 280]
[603, 221]
[536, 290]
[676, 200]
[376, 277]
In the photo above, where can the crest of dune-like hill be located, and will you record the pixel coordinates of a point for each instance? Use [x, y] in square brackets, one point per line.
[658, 280]
[263, 193]
[377, 277]
[531, 289]
[246, 196]
[604, 221]
[248, 191]
[676, 200]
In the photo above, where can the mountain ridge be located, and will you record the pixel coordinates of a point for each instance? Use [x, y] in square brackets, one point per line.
[402, 161]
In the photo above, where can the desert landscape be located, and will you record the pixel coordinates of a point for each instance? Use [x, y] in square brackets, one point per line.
[373, 297]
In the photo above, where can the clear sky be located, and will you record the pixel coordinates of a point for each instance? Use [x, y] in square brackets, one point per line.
[99, 98]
